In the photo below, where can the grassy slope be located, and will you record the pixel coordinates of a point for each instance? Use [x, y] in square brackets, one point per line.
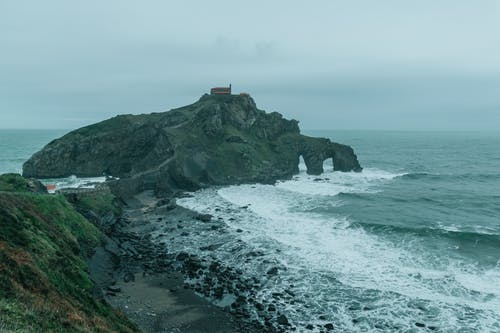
[44, 284]
[12, 182]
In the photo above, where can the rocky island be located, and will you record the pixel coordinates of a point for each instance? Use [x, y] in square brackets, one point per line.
[219, 140]
[133, 249]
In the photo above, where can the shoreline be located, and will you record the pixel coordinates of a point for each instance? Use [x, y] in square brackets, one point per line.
[136, 275]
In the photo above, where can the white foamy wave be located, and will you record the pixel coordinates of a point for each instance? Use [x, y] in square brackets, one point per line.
[280, 219]
[332, 183]
[487, 282]
[55, 184]
[358, 258]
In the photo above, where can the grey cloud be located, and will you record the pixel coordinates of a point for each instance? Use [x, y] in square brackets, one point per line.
[360, 64]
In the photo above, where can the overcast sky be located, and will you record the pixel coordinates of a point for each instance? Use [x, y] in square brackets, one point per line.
[357, 64]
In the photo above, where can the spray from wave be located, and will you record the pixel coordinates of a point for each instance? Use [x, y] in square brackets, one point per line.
[360, 279]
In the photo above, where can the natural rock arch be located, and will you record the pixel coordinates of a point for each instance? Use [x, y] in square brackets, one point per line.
[215, 141]
[316, 150]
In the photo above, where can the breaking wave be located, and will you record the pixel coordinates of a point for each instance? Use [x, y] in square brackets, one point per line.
[362, 276]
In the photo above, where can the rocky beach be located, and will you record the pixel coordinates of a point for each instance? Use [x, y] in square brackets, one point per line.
[141, 276]
[249, 167]
[159, 262]
[151, 271]
[383, 250]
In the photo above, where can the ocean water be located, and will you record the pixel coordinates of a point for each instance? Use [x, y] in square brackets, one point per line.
[413, 240]
[411, 244]
[16, 146]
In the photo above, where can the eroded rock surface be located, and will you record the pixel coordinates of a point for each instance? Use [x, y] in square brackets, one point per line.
[218, 140]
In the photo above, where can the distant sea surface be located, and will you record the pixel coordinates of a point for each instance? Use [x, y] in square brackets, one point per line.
[16, 146]
[411, 244]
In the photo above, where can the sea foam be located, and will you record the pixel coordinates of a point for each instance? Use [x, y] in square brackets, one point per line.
[335, 263]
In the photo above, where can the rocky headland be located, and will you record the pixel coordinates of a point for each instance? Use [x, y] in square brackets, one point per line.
[156, 261]
[218, 140]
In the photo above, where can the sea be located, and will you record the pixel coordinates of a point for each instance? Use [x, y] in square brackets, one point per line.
[17, 146]
[410, 244]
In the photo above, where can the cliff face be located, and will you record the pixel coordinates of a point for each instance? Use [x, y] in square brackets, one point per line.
[44, 281]
[217, 140]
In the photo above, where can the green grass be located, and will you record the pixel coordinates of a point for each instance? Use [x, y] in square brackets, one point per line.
[12, 182]
[99, 203]
[44, 282]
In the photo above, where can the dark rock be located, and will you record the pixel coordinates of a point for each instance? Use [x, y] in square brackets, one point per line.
[182, 256]
[283, 320]
[329, 326]
[214, 267]
[239, 230]
[354, 307]
[272, 271]
[419, 324]
[204, 217]
[240, 299]
[271, 308]
[184, 195]
[114, 289]
[309, 327]
[187, 148]
[255, 254]
[218, 292]
[162, 202]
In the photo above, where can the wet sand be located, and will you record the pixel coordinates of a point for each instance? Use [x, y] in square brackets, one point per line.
[159, 303]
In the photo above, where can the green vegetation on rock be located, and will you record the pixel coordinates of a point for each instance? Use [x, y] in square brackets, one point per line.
[12, 182]
[217, 140]
[45, 286]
